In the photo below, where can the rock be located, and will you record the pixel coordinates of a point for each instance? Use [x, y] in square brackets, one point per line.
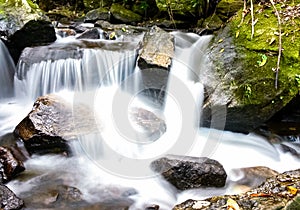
[123, 15]
[227, 8]
[52, 123]
[14, 14]
[65, 32]
[278, 192]
[8, 200]
[190, 172]
[157, 49]
[97, 14]
[149, 125]
[34, 33]
[94, 33]
[254, 176]
[239, 87]
[10, 166]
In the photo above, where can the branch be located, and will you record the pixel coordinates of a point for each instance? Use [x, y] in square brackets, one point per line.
[252, 19]
[279, 44]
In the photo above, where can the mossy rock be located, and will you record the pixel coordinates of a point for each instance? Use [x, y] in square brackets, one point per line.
[186, 9]
[227, 8]
[123, 15]
[14, 14]
[242, 69]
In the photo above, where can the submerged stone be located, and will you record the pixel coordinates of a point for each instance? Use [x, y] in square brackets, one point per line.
[190, 172]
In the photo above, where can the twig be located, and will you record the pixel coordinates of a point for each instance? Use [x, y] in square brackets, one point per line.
[279, 44]
[252, 19]
[244, 13]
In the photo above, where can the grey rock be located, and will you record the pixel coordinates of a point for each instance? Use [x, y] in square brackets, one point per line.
[190, 172]
[8, 200]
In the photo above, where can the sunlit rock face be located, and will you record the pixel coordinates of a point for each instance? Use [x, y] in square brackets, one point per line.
[190, 172]
[51, 123]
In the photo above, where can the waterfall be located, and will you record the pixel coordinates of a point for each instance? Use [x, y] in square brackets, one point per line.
[7, 69]
[82, 70]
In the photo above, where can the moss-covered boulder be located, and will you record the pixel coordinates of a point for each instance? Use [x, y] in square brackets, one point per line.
[186, 9]
[15, 13]
[122, 15]
[241, 77]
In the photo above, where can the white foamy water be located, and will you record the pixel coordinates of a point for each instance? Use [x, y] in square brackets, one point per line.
[118, 154]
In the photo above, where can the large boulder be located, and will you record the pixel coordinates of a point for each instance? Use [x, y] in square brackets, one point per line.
[278, 192]
[52, 123]
[8, 200]
[240, 78]
[33, 33]
[190, 172]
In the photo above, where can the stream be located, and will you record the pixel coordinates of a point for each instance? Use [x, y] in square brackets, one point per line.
[112, 163]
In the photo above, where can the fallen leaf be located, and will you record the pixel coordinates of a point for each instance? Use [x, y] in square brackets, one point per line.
[222, 50]
[112, 35]
[263, 61]
[237, 34]
[232, 205]
[220, 40]
[292, 190]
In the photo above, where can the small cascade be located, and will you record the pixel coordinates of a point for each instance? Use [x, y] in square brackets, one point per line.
[79, 69]
[7, 69]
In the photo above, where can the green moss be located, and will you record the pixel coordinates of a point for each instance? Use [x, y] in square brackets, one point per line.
[261, 79]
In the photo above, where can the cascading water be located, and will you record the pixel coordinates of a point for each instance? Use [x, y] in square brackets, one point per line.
[7, 69]
[118, 154]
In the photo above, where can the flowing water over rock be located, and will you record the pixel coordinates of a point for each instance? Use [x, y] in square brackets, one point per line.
[115, 160]
[7, 69]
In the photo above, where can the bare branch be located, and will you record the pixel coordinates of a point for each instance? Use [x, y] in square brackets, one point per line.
[279, 44]
[252, 19]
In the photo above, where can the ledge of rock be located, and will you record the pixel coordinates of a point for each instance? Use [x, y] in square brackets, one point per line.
[190, 172]
[278, 192]
[157, 49]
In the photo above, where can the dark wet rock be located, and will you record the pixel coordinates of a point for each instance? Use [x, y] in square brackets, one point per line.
[148, 124]
[97, 14]
[152, 207]
[122, 15]
[254, 176]
[33, 33]
[157, 49]
[10, 166]
[278, 192]
[94, 33]
[190, 172]
[8, 200]
[51, 123]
